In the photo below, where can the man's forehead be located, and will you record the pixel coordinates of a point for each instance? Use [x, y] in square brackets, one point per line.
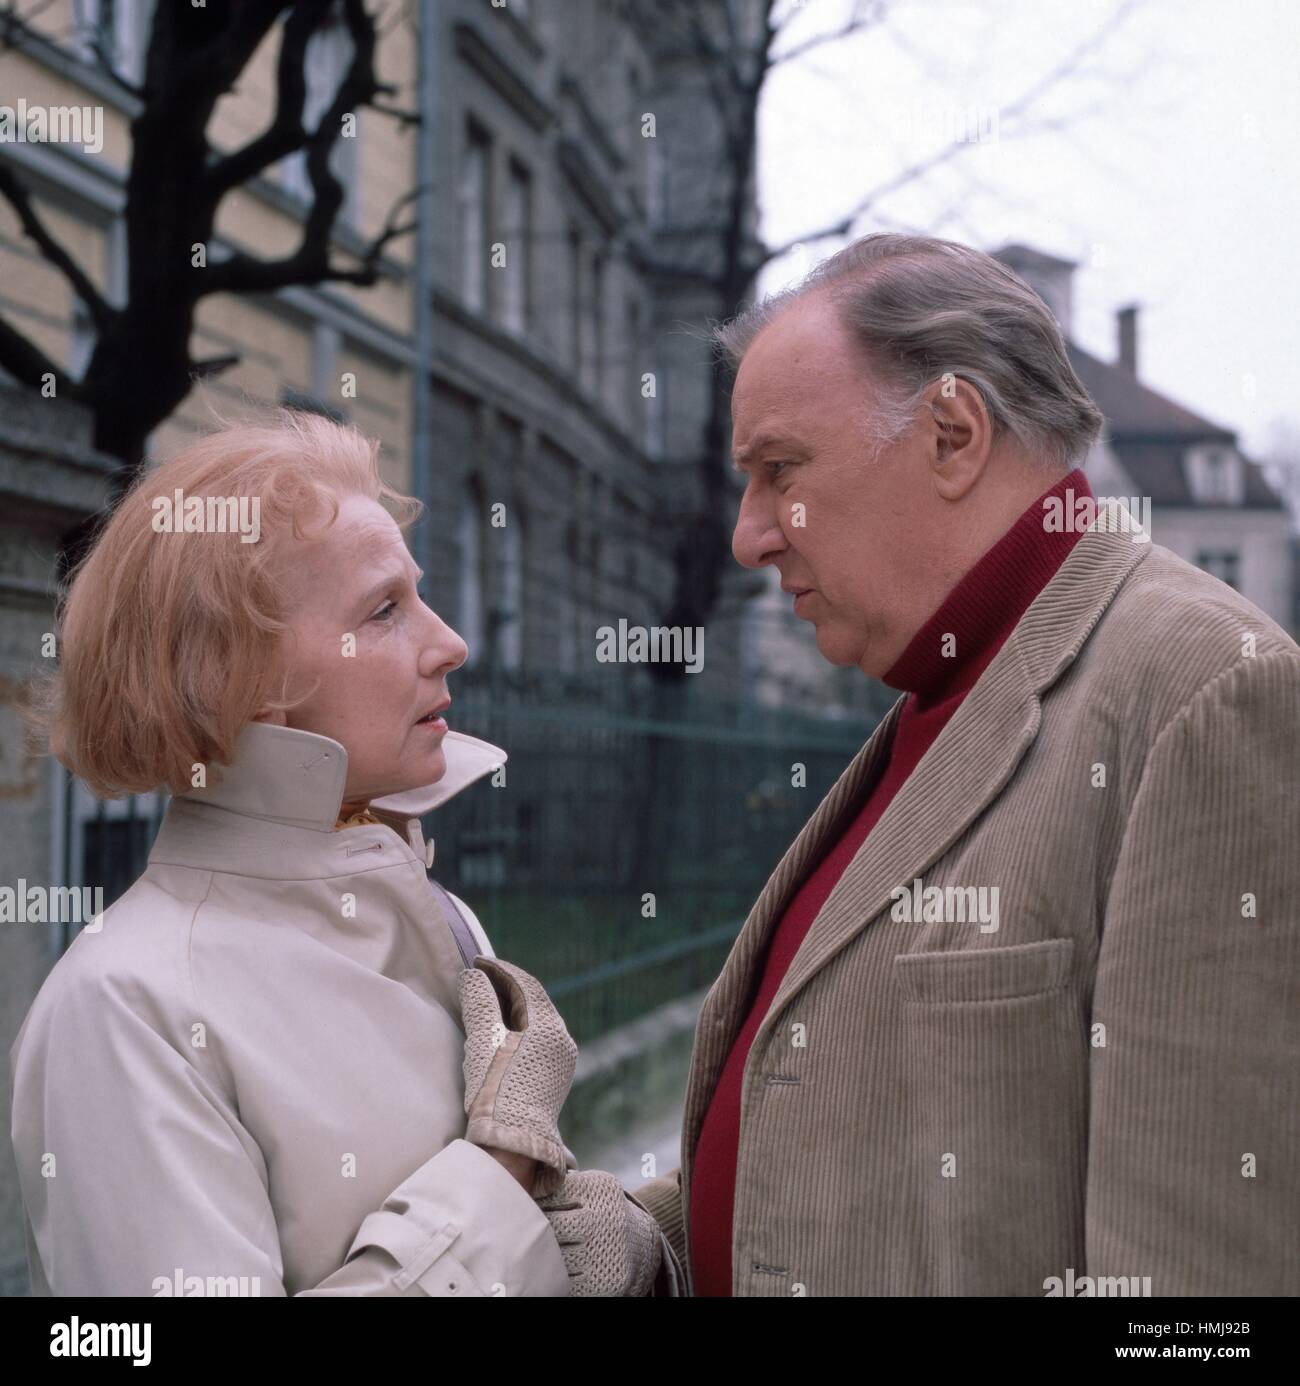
[790, 365]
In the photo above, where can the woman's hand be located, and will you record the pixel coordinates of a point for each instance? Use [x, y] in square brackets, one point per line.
[610, 1245]
[521, 1168]
[519, 1063]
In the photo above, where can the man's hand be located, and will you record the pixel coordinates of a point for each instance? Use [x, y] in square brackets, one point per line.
[519, 1063]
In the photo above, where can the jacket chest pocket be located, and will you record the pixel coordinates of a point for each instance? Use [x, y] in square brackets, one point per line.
[974, 975]
[996, 1071]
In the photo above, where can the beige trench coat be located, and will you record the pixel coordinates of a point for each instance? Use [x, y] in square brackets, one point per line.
[248, 1078]
[1106, 1084]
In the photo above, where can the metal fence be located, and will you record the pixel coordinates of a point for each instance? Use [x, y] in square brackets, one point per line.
[633, 832]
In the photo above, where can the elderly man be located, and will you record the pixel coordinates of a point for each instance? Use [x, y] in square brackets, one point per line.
[1016, 1012]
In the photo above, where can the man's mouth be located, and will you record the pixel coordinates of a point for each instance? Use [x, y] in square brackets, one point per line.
[434, 714]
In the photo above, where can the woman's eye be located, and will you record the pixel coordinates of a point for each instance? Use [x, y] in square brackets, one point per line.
[772, 466]
[385, 612]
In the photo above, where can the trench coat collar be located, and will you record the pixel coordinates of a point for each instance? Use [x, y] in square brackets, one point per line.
[960, 775]
[285, 775]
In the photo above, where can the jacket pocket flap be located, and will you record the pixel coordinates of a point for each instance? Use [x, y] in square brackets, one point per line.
[985, 974]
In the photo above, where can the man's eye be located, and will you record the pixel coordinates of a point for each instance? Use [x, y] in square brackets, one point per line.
[385, 612]
[772, 466]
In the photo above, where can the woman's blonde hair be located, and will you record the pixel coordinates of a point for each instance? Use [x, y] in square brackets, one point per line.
[168, 640]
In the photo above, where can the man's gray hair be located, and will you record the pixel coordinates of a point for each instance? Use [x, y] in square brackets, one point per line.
[921, 308]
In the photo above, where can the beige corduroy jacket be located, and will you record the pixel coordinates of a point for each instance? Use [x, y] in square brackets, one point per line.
[1106, 1085]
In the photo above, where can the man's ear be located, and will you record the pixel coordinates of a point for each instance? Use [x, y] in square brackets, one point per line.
[273, 716]
[963, 435]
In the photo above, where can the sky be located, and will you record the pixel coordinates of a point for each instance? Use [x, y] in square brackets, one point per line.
[1166, 165]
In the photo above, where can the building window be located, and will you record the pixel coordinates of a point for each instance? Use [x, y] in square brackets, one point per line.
[1216, 476]
[575, 299]
[474, 186]
[117, 29]
[568, 615]
[517, 235]
[654, 412]
[595, 584]
[325, 64]
[1223, 564]
[510, 609]
[593, 376]
[632, 364]
[656, 182]
[82, 338]
[469, 531]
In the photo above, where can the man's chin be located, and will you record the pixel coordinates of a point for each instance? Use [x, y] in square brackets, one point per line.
[835, 648]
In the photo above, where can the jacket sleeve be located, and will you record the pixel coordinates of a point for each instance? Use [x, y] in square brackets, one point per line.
[135, 1168]
[476, 928]
[670, 1279]
[1194, 1136]
[662, 1199]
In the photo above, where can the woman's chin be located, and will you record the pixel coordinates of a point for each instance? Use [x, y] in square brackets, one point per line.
[435, 763]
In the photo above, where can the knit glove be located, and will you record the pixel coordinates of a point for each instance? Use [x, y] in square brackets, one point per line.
[519, 1063]
[610, 1245]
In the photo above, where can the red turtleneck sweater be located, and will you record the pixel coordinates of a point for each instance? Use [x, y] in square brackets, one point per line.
[981, 611]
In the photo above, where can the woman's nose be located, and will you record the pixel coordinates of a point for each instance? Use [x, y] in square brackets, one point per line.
[444, 650]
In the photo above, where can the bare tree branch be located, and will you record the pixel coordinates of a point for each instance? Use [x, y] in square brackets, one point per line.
[1068, 66]
[285, 133]
[309, 264]
[20, 199]
[865, 16]
[403, 118]
[28, 363]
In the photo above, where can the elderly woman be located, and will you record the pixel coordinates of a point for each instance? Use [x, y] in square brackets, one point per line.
[271, 1067]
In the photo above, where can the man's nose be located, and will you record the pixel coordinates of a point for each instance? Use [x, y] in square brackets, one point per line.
[757, 539]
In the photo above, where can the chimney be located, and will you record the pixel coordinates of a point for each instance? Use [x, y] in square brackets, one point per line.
[1126, 323]
[1049, 276]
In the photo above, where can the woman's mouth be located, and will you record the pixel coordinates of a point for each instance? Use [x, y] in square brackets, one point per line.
[433, 719]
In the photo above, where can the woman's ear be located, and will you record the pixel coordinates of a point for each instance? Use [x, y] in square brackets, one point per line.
[272, 715]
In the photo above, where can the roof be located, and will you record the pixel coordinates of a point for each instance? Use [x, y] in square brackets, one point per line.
[1149, 434]
[1136, 411]
[1026, 254]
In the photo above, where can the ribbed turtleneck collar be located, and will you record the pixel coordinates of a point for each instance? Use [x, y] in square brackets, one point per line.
[985, 605]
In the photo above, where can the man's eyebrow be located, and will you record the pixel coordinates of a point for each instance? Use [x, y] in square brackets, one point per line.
[740, 458]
